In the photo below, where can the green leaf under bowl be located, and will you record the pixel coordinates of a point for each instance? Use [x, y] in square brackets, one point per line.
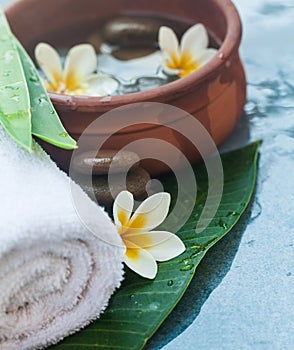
[140, 306]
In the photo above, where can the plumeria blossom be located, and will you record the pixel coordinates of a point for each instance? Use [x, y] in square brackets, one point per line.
[186, 57]
[143, 246]
[77, 77]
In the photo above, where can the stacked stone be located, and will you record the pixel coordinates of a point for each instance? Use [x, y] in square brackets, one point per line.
[129, 37]
[123, 168]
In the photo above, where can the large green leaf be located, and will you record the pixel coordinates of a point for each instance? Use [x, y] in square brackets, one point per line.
[25, 107]
[15, 115]
[46, 124]
[140, 306]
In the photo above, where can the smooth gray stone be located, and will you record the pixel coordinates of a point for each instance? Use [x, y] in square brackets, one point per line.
[132, 53]
[99, 164]
[105, 189]
[131, 32]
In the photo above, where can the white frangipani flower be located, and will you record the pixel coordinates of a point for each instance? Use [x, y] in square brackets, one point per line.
[77, 78]
[186, 57]
[143, 246]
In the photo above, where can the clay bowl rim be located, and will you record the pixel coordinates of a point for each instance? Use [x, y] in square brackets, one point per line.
[228, 48]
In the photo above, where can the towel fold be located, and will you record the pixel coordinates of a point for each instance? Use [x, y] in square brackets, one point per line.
[55, 274]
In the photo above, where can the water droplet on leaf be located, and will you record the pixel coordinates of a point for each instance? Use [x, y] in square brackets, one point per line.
[4, 37]
[194, 255]
[154, 306]
[231, 213]
[222, 224]
[6, 73]
[15, 97]
[195, 246]
[8, 57]
[42, 101]
[187, 267]
[34, 79]
[186, 261]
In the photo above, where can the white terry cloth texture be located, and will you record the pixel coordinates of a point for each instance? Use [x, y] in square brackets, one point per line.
[55, 274]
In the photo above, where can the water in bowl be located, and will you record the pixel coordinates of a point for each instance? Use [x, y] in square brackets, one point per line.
[127, 50]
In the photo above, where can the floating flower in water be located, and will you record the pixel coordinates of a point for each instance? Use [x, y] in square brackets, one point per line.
[185, 58]
[77, 77]
[143, 246]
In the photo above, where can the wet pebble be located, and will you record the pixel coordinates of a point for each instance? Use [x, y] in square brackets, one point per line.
[132, 53]
[105, 189]
[99, 164]
[131, 31]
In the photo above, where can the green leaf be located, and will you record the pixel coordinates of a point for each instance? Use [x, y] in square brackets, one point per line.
[15, 115]
[45, 121]
[140, 306]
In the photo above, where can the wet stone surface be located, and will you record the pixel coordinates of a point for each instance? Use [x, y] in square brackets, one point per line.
[131, 31]
[100, 164]
[106, 189]
[126, 54]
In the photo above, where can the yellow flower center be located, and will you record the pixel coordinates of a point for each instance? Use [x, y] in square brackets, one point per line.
[132, 225]
[71, 85]
[130, 235]
[133, 253]
[186, 64]
[139, 239]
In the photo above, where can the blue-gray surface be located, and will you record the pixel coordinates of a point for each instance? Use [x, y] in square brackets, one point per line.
[242, 296]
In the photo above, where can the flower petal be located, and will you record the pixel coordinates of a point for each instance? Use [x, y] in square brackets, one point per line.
[206, 55]
[80, 62]
[140, 261]
[194, 40]
[162, 245]
[122, 208]
[49, 61]
[100, 85]
[170, 71]
[150, 214]
[168, 41]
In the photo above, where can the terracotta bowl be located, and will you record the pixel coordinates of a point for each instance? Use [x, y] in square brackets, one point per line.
[215, 94]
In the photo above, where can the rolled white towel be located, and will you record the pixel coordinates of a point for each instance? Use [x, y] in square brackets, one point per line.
[55, 275]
